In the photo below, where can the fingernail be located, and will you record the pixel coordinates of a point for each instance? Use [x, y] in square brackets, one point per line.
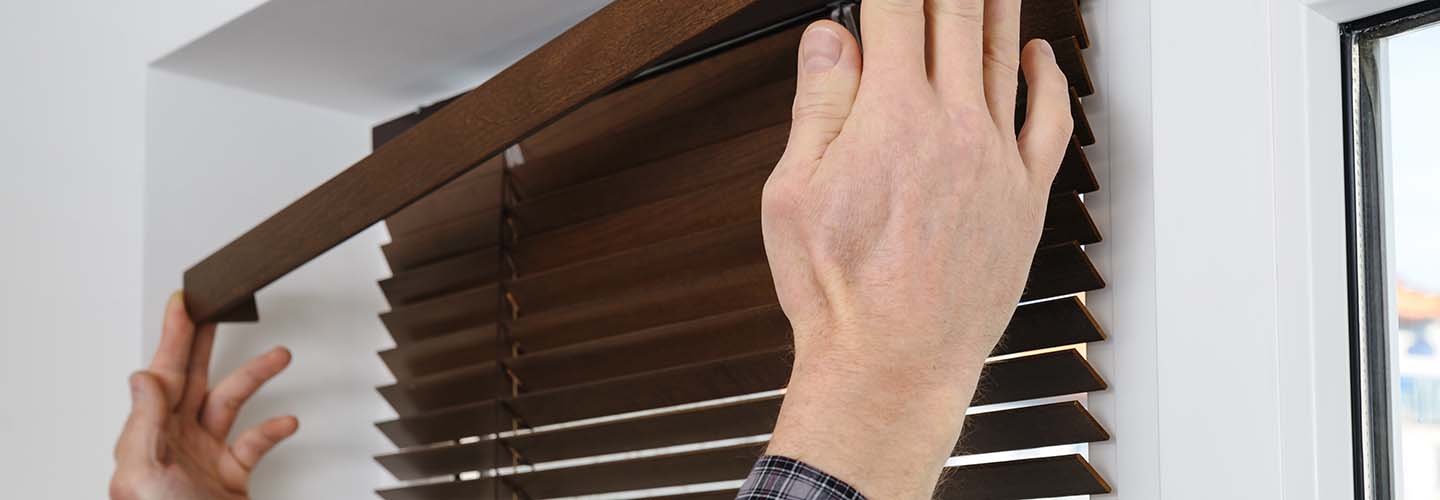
[1046, 49]
[820, 49]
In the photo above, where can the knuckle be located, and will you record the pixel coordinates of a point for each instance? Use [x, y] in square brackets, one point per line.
[966, 10]
[970, 121]
[779, 200]
[905, 7]
[997, 59]
[816, 106]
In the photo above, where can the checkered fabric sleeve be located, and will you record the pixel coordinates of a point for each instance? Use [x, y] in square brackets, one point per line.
[780, 478]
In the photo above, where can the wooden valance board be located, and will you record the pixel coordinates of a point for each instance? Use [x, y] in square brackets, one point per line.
[579, 277]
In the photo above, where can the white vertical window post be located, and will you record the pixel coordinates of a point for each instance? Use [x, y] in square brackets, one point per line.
[1223, 209]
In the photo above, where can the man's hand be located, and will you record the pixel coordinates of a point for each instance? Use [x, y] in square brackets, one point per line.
[173, 446]
[900, 225]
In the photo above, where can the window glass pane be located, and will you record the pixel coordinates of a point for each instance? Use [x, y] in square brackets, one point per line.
[1411, 116]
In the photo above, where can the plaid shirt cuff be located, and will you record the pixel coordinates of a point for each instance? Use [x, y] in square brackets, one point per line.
[780, 478]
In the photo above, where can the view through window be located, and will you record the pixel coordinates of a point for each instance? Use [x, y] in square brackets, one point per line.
[1412, 109]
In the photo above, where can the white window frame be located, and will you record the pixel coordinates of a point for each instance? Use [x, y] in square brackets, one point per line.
[1223, 205]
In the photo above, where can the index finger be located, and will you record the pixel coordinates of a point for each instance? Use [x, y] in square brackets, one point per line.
[172, 357]
[894, 34]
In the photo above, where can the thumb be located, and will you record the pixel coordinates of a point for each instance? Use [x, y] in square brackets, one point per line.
[149, 408]
[1048, 123]
[829, 77]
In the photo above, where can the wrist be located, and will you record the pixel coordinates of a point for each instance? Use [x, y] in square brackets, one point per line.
[844, 408]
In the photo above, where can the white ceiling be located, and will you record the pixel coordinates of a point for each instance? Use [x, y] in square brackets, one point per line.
[373, 58]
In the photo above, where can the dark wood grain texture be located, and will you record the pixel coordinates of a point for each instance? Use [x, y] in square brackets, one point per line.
[596, 55]
[1039, 376]
[1053, 20]
[442, 352]
[1075, 173]
[439, 315]
[732, 420]
[1053, 323]
[441, 277]
[1061, 269]
[466, 233]
[1015, 429]
[647, 141]
[1065, 475]
[1030, 377]
[1029, 427]
[669, 346]
[1066, 220]
[474, 192]
[654, 181]
[1036, 326]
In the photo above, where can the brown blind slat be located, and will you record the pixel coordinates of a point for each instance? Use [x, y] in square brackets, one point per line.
[676, 260]
[732, 201]
[1015, 429]
[1053, 20]
[1066, 219]
[1066, 475]
[1083, 131]
[415, 358]
[1061, 270]
[466, 233]
[475, 306]
[1043, 325]
[706, 339]
[441, 277]
[1035, 326]
[1029, 427]
[1030, 377]
[1039, 376]
[654, 181]
[476, 191]
[766, 105]
[734, 420]
[1075, 173]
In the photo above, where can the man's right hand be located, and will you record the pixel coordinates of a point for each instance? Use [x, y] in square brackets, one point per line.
[174, 444]
[901, 224]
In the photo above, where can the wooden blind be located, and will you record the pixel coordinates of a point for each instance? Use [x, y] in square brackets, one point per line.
[600, 292]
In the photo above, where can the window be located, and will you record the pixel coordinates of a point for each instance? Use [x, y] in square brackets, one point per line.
[1393, 191]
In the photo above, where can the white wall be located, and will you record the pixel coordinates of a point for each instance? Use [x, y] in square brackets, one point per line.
[220, 160]
[73, 96]
[70, 213]
[80, 222]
